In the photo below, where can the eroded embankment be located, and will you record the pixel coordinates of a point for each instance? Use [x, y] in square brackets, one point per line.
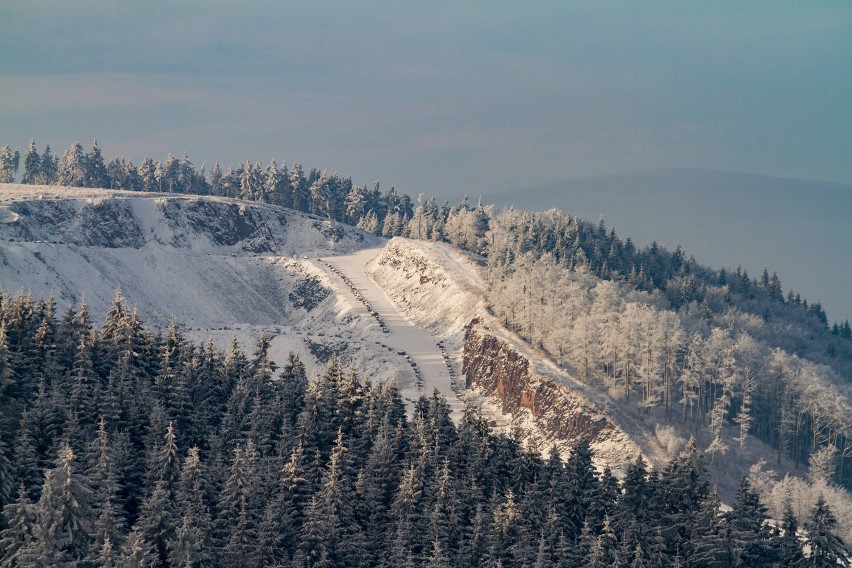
[494, 366]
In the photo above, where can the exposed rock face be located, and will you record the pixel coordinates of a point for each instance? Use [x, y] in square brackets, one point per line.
[176, 221]
[107, 223]
[440, 289]
[491, 364]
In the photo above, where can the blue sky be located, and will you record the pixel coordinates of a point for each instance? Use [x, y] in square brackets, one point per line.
[440, 97]
[444, 98]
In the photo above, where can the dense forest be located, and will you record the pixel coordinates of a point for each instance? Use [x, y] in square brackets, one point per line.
[123, 447]
[711, 348]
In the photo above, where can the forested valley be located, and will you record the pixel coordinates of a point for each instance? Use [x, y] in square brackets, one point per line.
[126, 447]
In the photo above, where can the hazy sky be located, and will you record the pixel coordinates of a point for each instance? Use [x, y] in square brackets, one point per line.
[443, 98]
[439, 97]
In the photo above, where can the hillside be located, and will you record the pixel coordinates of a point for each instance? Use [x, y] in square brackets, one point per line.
[227, 269]
[221, 267]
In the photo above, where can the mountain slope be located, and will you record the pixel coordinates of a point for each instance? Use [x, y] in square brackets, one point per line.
[222, 267]
[230, 268]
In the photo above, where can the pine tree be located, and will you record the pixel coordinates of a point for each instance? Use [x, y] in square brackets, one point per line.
[602, 552]
[406, 522]
[6, 468]
[157, 519]
[72, 168]
[9, 161]
[709, 543]
[192, 547]
[83, 402]
[438, 558]
[63, 515]
[748, 536]
[826, 548]
[156, 524]
[789, 546]
[237, 522]
[329, 513]
[95, 169]
[49, 167]
[104, 556]
[32, 165]
[17, 537]
[284, 516]
[380, 478]
[137, 553]
[165, 466]
[583, 483]
[509, 545]
[633, 504]
[109, 521]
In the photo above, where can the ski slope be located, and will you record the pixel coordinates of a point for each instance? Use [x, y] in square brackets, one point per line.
[435, 369]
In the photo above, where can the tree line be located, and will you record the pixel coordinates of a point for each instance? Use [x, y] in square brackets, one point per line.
[126, 447]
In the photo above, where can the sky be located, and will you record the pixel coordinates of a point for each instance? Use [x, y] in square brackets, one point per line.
[444, 98]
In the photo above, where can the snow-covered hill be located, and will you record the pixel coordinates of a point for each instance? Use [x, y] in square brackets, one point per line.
[227, 268]
[230, 268]
[223, 267]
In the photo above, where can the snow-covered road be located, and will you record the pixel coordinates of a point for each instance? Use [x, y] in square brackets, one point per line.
[402, 335]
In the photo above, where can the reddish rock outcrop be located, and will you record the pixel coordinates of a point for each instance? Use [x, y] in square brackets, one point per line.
[491, 364]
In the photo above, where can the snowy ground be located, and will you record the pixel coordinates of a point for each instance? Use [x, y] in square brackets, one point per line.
[429, 361]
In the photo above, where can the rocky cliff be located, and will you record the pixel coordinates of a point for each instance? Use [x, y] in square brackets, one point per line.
[497, 368]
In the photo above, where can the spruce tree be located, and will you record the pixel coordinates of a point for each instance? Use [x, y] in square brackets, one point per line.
[406, 521]
[18, 535]
[748, 536]
[158, 519]
[9, 161]
[826, 548]
[192, 547]
[137, 553]
[32, 165]
[95, 169]
[64, 514]
[72, 168]
[788, 545]
[49, 167]
[109, 522]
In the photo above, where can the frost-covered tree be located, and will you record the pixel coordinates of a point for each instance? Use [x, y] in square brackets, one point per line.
[32, 165]
[63, 514]
[825, 548]
[49, 167]
[96, 172]
[72, 168]
[9, 161]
